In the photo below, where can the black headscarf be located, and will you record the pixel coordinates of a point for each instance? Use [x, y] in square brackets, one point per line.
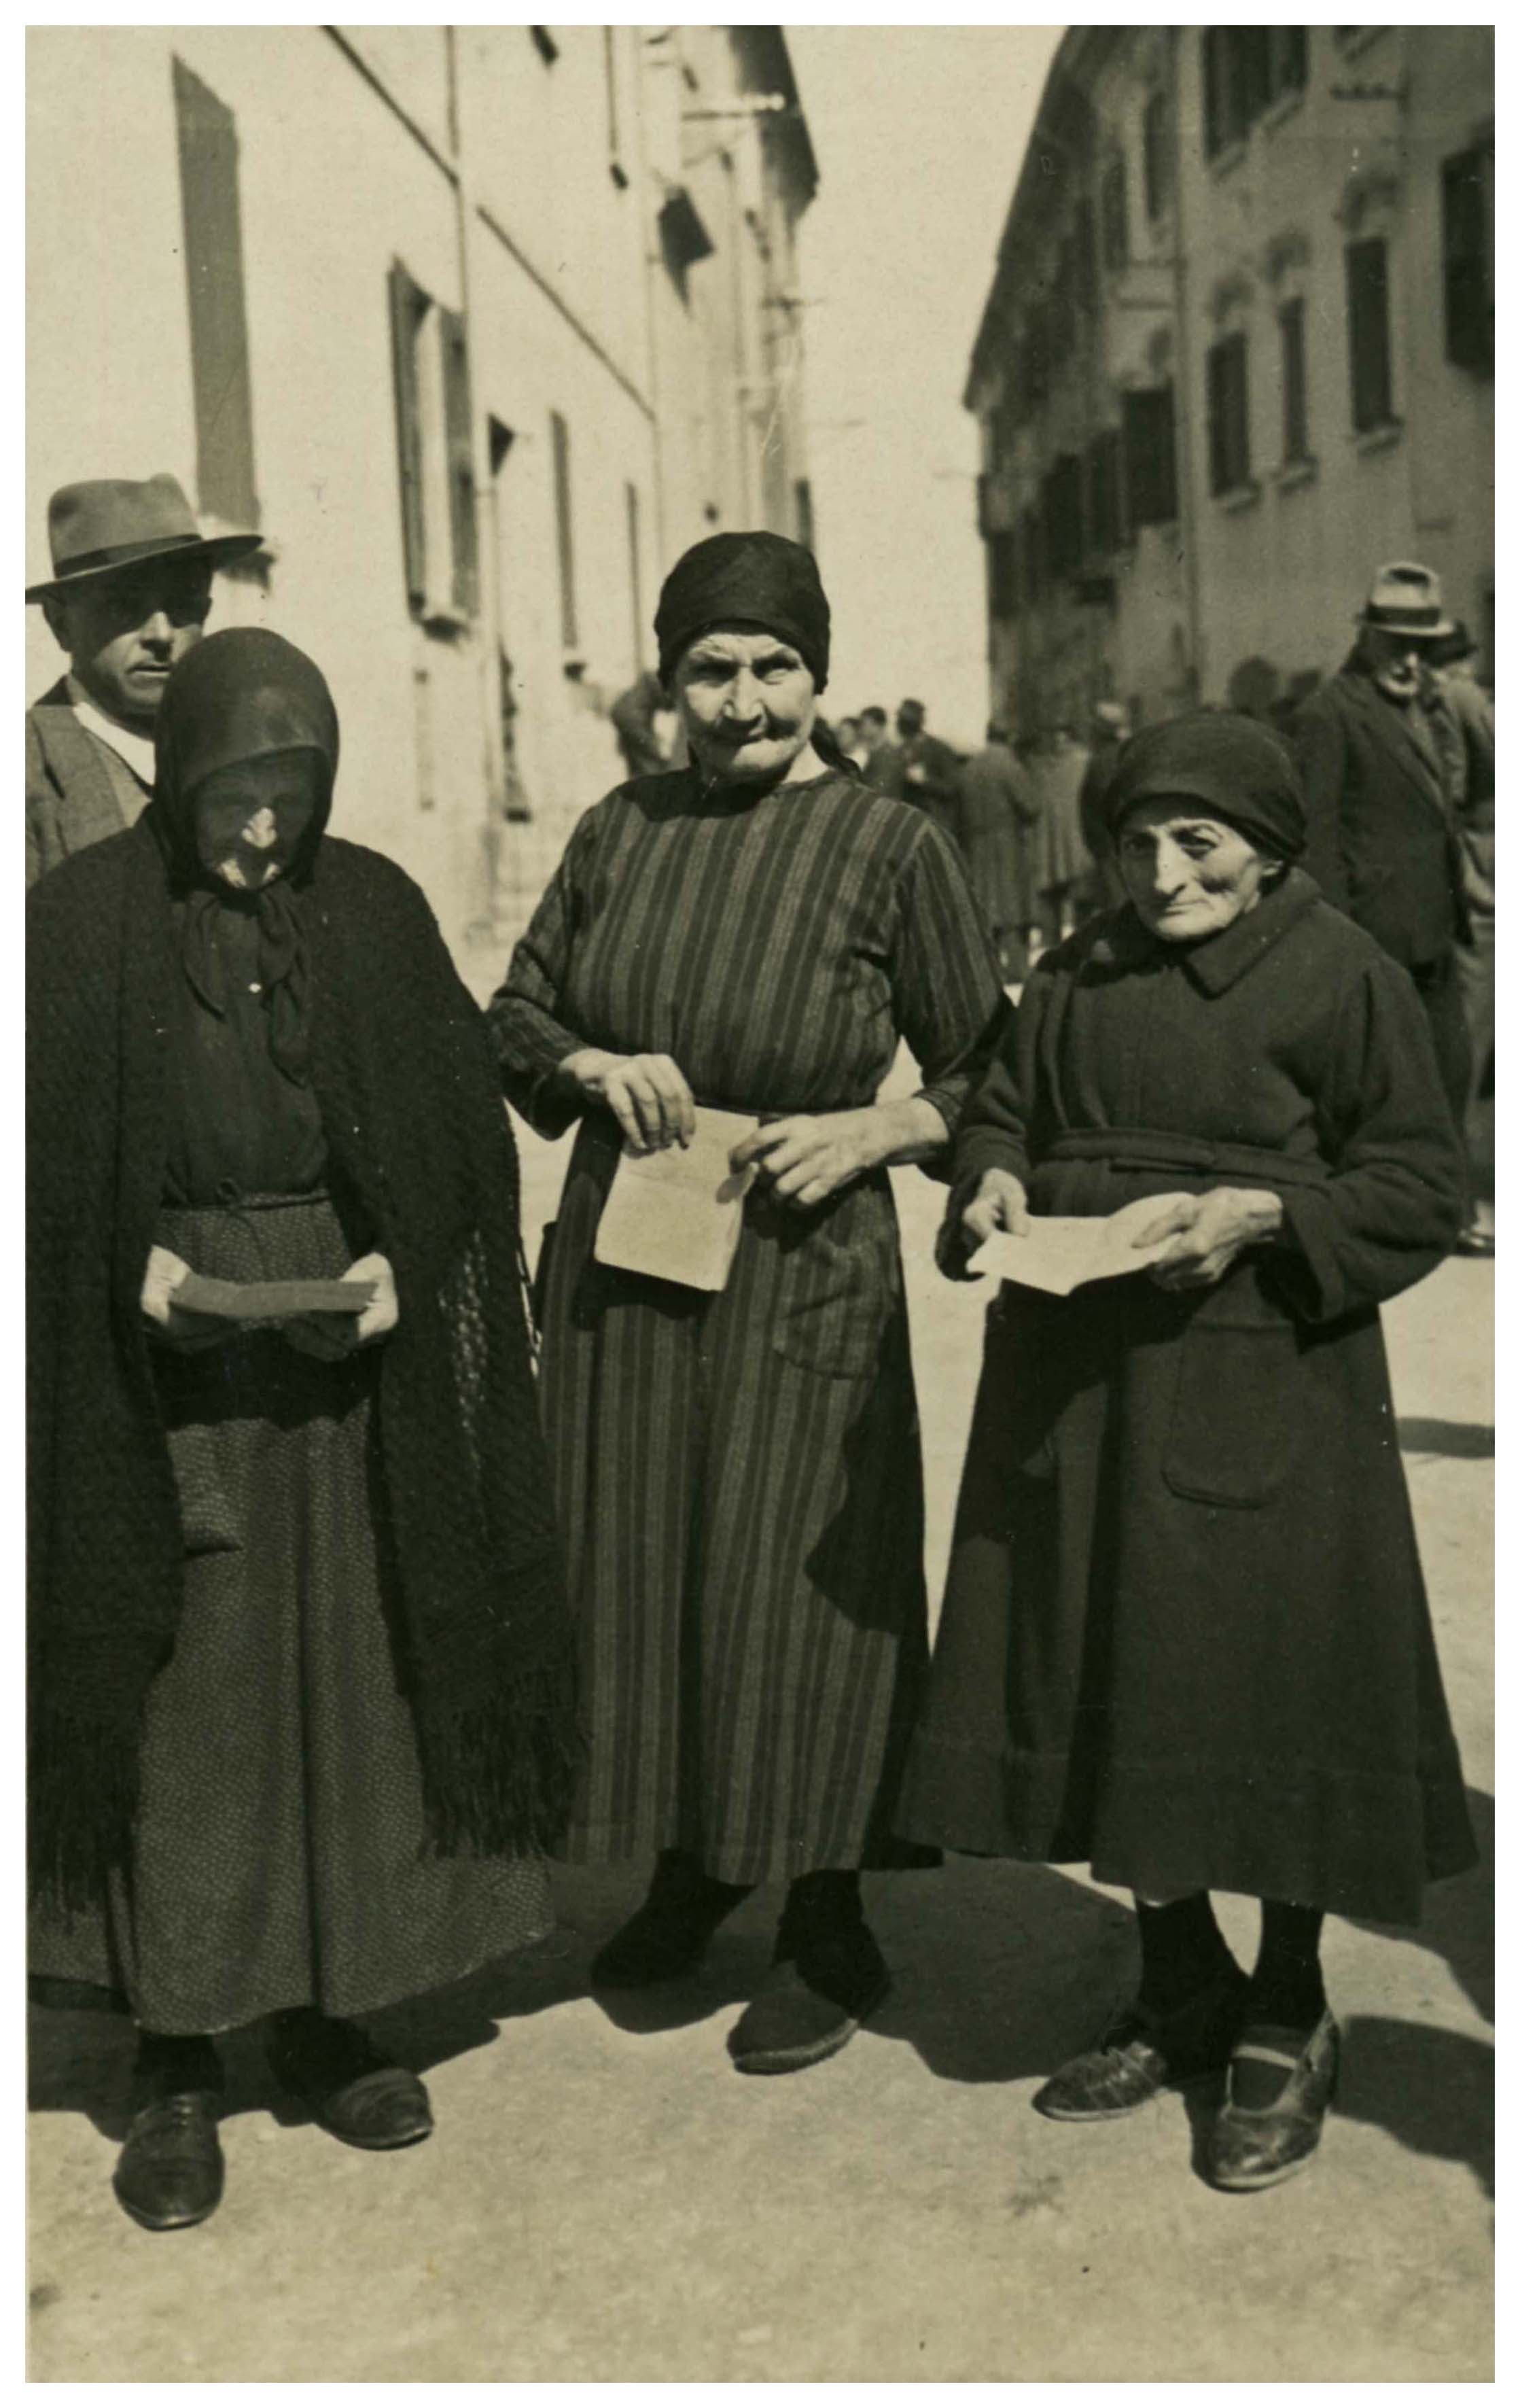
[758, 579]
[239, 696]
[1244, 774]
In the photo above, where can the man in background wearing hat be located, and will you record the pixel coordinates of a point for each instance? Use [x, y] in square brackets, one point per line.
[922, 770]
[1384, 839]
[129, 594]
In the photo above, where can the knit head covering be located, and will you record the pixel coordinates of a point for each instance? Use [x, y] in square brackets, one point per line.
[239, 696]
[759, 580]
[1238, 768]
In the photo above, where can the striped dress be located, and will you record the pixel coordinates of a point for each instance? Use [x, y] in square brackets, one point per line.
[737, 1475]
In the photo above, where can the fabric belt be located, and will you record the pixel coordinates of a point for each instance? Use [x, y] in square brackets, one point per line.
[1168, 1149]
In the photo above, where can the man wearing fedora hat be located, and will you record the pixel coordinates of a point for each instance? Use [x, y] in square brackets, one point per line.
[129, 594]
[1384, 837]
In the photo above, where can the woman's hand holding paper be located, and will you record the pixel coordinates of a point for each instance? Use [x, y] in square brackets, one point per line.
[646, 1093]
[1212, 1231]
[999, 1203]
[807, 1157]
[166, 1272]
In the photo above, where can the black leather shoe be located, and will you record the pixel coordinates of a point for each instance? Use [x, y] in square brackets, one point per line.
[350, 2091]
[810, 2004]
[171, 2170]
[1253, 2147]
[1141, 2053]
[670, 1934]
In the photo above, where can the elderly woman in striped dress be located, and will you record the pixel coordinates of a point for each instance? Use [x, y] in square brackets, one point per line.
[738, 1473]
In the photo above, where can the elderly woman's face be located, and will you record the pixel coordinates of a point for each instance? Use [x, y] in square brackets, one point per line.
[747, 701]
[1187, 875]
[250, 818]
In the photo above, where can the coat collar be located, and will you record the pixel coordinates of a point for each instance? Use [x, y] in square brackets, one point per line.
[1394, 734]
[1220, 962]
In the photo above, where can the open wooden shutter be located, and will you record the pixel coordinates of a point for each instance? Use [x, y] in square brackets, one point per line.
[408, 307]
[1150, 448]
[458, 428]
[213, 231]
[559, 434]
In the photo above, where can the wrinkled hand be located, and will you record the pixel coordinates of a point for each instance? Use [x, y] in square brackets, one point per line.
[811, 1155]
[999, 1203]
[1213, 1232]
[646, 1093]
[170, 1322]
[330, 1336]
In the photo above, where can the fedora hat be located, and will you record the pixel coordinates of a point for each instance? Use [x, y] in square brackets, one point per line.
[112, 522]
[1405, 599]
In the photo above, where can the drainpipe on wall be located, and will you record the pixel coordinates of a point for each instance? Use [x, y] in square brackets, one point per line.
[488, 627]
[1187, 495]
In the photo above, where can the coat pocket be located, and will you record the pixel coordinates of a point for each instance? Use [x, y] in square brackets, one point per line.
[835, 1305]
[1237, 1415]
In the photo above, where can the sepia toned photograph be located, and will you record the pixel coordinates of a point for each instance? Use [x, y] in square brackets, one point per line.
[760, 1203]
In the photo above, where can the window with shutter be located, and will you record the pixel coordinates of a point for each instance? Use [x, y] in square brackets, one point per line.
[1150, 457]
[1115, 207]
[1217, 133]
[1229, 418]
[1289, 59]
[1002, 576]
[409, 306]
[458, 427]
[1250, 75]
[1366, 308]
[1105, 531]
[559, 436]
[1063, 514]
[1467, 205]
[219, 354]
[1158, 154]
[1290, 323]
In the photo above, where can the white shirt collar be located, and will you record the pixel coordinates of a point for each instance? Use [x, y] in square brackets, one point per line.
[135, 749]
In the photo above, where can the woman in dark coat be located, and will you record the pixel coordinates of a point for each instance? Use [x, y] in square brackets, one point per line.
[737, 1472]
[1185, 1636]
[301, 1677]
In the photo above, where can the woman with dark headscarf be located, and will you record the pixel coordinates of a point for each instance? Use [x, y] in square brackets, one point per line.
[1185, 1637]
[301, 1678]
[737, 1472]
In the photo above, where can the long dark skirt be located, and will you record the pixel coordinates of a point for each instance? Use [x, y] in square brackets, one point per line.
[739, 1486]
[280, 1859]
[1185, 1637]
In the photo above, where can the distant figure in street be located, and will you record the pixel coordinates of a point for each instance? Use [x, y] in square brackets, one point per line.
[1186, 1638]
[129, 594]
[1065, 872]
[998, 811]
[924, 769]
[1464, 725]
[637, 717]
[1384, 838]
[1110, 735]
[878, 753]
[847, 736]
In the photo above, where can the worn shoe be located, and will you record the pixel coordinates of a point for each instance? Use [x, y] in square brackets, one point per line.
[350, 2091]
[670, 1934]
[1142, 2054]
[171, 2171]
[1253, 2147]
[810, 2004]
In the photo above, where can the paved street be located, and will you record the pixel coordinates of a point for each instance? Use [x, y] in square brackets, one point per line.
[605, 2198]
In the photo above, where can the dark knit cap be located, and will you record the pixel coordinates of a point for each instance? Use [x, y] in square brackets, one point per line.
[1244, 774]
[760, 580]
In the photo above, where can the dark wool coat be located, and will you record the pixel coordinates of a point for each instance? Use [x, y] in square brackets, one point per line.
[78, 790]
[419, 1142]
[1185, 1635]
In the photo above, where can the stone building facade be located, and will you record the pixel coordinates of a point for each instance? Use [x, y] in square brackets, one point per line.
[1238, 350]
[478, 325]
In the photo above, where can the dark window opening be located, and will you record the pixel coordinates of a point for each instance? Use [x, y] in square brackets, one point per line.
[1157, 155]
[1002, 576]
[1084, 251]
[1290, 323]
[1371, 356]
[408, 307]
[1105, 492]
[1245, 70]
[1115, 206]
[1467, 219]
[1229, 416]
[1063, 515]
[545, 44]
[1150, 456]
[458, 427]
[219, 353]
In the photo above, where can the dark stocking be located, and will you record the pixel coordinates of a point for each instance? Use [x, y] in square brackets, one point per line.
[1182, 1951]
[1286, 1994]
[169, 2063]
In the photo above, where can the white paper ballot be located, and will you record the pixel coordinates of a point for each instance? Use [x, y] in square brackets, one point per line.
[1060, 1254]
[677, 1214]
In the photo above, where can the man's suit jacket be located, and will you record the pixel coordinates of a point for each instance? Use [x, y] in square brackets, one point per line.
[78, 790]
[1383, 835]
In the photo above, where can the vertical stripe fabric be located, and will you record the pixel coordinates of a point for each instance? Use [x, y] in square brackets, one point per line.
[739, 1476]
